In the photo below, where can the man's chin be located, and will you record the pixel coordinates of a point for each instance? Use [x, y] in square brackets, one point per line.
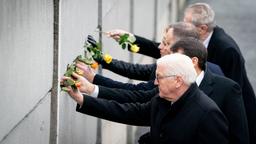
[164, 54]
[161, 95]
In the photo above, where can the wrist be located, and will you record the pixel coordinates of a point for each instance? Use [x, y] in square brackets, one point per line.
[91, 89]
[91, 77]
[88, 89]
[80, 100]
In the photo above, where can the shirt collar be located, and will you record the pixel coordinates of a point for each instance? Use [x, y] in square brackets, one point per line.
[199, 78]
[207, 40]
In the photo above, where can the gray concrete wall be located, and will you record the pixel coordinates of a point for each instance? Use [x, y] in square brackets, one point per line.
[77, 18]
[26, 70]
[26, 60]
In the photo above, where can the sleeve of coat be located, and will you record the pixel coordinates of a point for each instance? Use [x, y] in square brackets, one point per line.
[104, 81]
[133, 71]
[147, 47]
[126, 96]
[128, 113]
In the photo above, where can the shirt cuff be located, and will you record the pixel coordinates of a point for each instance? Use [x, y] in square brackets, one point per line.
[95, 93]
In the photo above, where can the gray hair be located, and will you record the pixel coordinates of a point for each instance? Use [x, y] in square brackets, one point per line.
[180, 65]
[183, 30]
[202, 13]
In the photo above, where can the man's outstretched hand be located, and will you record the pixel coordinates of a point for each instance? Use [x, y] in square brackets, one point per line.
[117, 33]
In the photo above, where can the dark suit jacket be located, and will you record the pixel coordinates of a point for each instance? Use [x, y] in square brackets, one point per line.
[193, 119]
[224, 51]
[225, 92]
[228, 96]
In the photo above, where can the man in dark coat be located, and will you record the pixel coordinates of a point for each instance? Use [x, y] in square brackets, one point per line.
[223, 51]
[179, 99]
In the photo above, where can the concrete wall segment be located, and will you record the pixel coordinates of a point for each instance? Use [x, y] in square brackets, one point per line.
[25, 59]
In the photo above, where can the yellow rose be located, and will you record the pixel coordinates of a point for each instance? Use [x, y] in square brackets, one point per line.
[134, 48]
[107, 58]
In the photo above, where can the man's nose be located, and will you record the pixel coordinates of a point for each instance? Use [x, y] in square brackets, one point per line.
[155, 82]
[160, 46]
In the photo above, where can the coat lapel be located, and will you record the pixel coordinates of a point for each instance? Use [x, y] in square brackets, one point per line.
[211, 49]
[207, 83]
[164, 108]
[167, 110]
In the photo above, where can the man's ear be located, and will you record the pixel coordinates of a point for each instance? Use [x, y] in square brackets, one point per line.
[179, 81]
[194, 60]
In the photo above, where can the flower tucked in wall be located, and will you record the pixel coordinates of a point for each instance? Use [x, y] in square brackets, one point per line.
[71, 82]
[94, 48]
[92, 53]
[128, 40]
[107, 58]
[134, 48]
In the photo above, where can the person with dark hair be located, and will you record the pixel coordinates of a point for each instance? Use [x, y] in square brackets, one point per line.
[167, 113]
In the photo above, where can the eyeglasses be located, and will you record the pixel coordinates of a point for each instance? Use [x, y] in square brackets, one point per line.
[162, 77]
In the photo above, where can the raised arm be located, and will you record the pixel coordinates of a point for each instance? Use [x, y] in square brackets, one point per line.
[107, 82]
[147, 47]
[132, 71]
[119, 95]
[143, 72]
[126, 96]
[128, 113]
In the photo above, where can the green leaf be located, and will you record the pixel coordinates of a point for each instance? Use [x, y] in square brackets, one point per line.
[131, 39]
[123, 38]
[123, 45]
[64, 89]
[98, 46]
[68, 73]
[70, 82]
[74, 87]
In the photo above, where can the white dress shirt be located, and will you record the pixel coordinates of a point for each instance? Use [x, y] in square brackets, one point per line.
[207, 40]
